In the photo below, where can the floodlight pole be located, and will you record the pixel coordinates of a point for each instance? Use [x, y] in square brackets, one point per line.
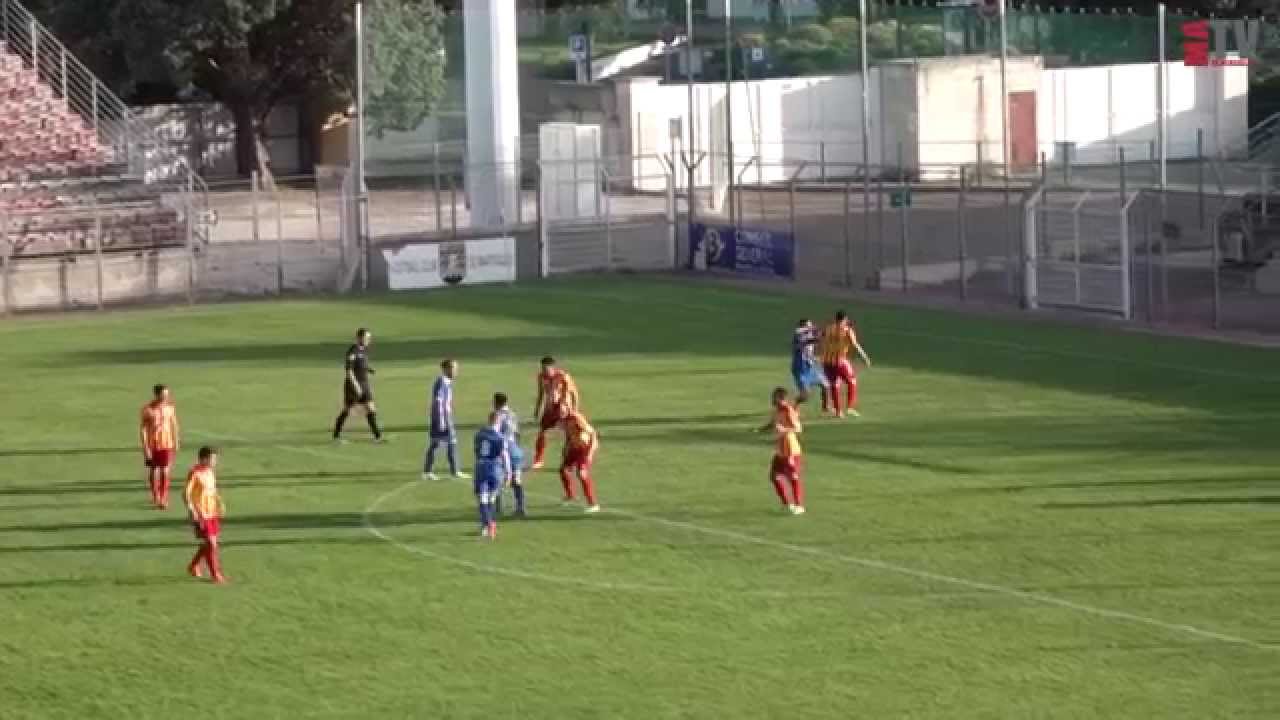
[1004, 91]
[1162, 91]
[728, 105]
[362, 191]
[690, 163]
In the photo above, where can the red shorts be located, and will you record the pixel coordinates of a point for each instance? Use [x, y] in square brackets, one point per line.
[208, 528]
[842, 370]
[577, 459]
[161, 459]
[551, 417]
[785, 467]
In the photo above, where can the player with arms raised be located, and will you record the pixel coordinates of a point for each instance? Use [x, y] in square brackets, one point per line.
[805, 370]
[493, 467]
[580, 446]
[838, 339]
[160, 438]
[204, 506]
[357, 388]
[784, 470]
[557, 396]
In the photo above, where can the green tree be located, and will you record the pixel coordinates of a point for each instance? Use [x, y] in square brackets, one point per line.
[251, 55]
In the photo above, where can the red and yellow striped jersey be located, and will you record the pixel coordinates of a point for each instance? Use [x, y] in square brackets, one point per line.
[558, 389]
[202, 492]
[159, 425]
[786, 425]
[579, 434]
[838, 339]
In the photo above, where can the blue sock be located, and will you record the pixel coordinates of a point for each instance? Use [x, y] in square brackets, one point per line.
[429, 461]
[453, 458]
[519, 493]
[497, 504]
[485, 517]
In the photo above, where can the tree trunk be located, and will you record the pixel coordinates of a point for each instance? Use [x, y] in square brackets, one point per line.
[246, 138]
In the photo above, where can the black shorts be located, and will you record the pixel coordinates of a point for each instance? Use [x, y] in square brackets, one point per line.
[351, 397]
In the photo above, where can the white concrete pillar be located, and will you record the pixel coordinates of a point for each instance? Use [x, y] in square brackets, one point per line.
[493, 111]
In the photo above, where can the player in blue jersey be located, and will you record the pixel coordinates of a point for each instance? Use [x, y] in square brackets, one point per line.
[442, 430]
[509, 427]
[805, 369]
[493, 467]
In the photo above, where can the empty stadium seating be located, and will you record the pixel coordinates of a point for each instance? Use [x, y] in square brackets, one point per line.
[59, 183]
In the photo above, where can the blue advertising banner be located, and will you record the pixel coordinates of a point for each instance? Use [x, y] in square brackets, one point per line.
[755, 251]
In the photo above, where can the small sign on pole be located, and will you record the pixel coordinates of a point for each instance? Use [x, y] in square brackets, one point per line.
[900, 198]
[578, 47]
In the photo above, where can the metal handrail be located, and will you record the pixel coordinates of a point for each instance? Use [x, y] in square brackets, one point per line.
[133, 142]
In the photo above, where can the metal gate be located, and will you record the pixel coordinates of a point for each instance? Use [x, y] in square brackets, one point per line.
[1079, 251]
[615, 222]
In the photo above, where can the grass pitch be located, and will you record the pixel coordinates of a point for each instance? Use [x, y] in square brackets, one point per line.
[1028, 521]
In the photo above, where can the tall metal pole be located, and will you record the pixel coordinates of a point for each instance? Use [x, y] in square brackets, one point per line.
[692, 145]
[728, 103]
[866, 125]
[1004, 90]
[1162, 100]
[362, 191]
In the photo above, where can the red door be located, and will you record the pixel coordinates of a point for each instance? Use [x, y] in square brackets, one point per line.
[1022, 129]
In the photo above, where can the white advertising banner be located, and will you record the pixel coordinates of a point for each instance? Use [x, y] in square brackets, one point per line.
[466, 262]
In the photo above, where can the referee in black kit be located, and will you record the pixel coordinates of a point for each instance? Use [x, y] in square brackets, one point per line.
[357, 389]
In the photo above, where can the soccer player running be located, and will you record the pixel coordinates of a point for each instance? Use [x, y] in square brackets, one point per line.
[784, 471]
[838, 339]
[442, 430]
[160, 437]
[493, 467]
[509, 428]
[204, 506]
[357, 390]
[805, 370]
[580, 446]
[557, 395]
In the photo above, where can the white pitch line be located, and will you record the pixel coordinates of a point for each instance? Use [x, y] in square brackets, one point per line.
[991, 588]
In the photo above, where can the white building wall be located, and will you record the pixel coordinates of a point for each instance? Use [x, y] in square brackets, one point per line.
[1103, 109]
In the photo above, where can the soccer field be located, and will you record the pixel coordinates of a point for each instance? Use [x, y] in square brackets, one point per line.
[1029, 521]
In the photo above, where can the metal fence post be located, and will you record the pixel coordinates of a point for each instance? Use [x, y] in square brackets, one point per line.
[670, 176]
[1215, 257]
[791, 228]
[544, 250]
[903, 219]
[1150, 269]
[961, 235]
[879, 231]
[279, 244]
[822, 160]
[608, 220]
[97, 248]
[253, 206]
[848, 238]
[7, 259]
[191, 241]
[435, 184]
[453, 209]
[1200, 177]
[315, 184]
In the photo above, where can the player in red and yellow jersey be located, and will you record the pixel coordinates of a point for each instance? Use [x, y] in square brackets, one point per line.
[205, 507]
[784, 471]
[837, 340]
[557, 394]
[580, 446]
[159, 435]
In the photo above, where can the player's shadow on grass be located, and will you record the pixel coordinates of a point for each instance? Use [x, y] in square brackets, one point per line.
[230, 542]
[1165, 502]
[227, 480]
[65, 451]
[604, 423]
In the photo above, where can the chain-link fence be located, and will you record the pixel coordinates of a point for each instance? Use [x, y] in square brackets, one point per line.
[297, 236]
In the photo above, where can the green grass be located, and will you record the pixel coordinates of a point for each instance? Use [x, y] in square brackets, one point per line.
[1099, 471]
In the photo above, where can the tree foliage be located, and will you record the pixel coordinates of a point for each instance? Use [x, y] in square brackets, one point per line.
[252, 55]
